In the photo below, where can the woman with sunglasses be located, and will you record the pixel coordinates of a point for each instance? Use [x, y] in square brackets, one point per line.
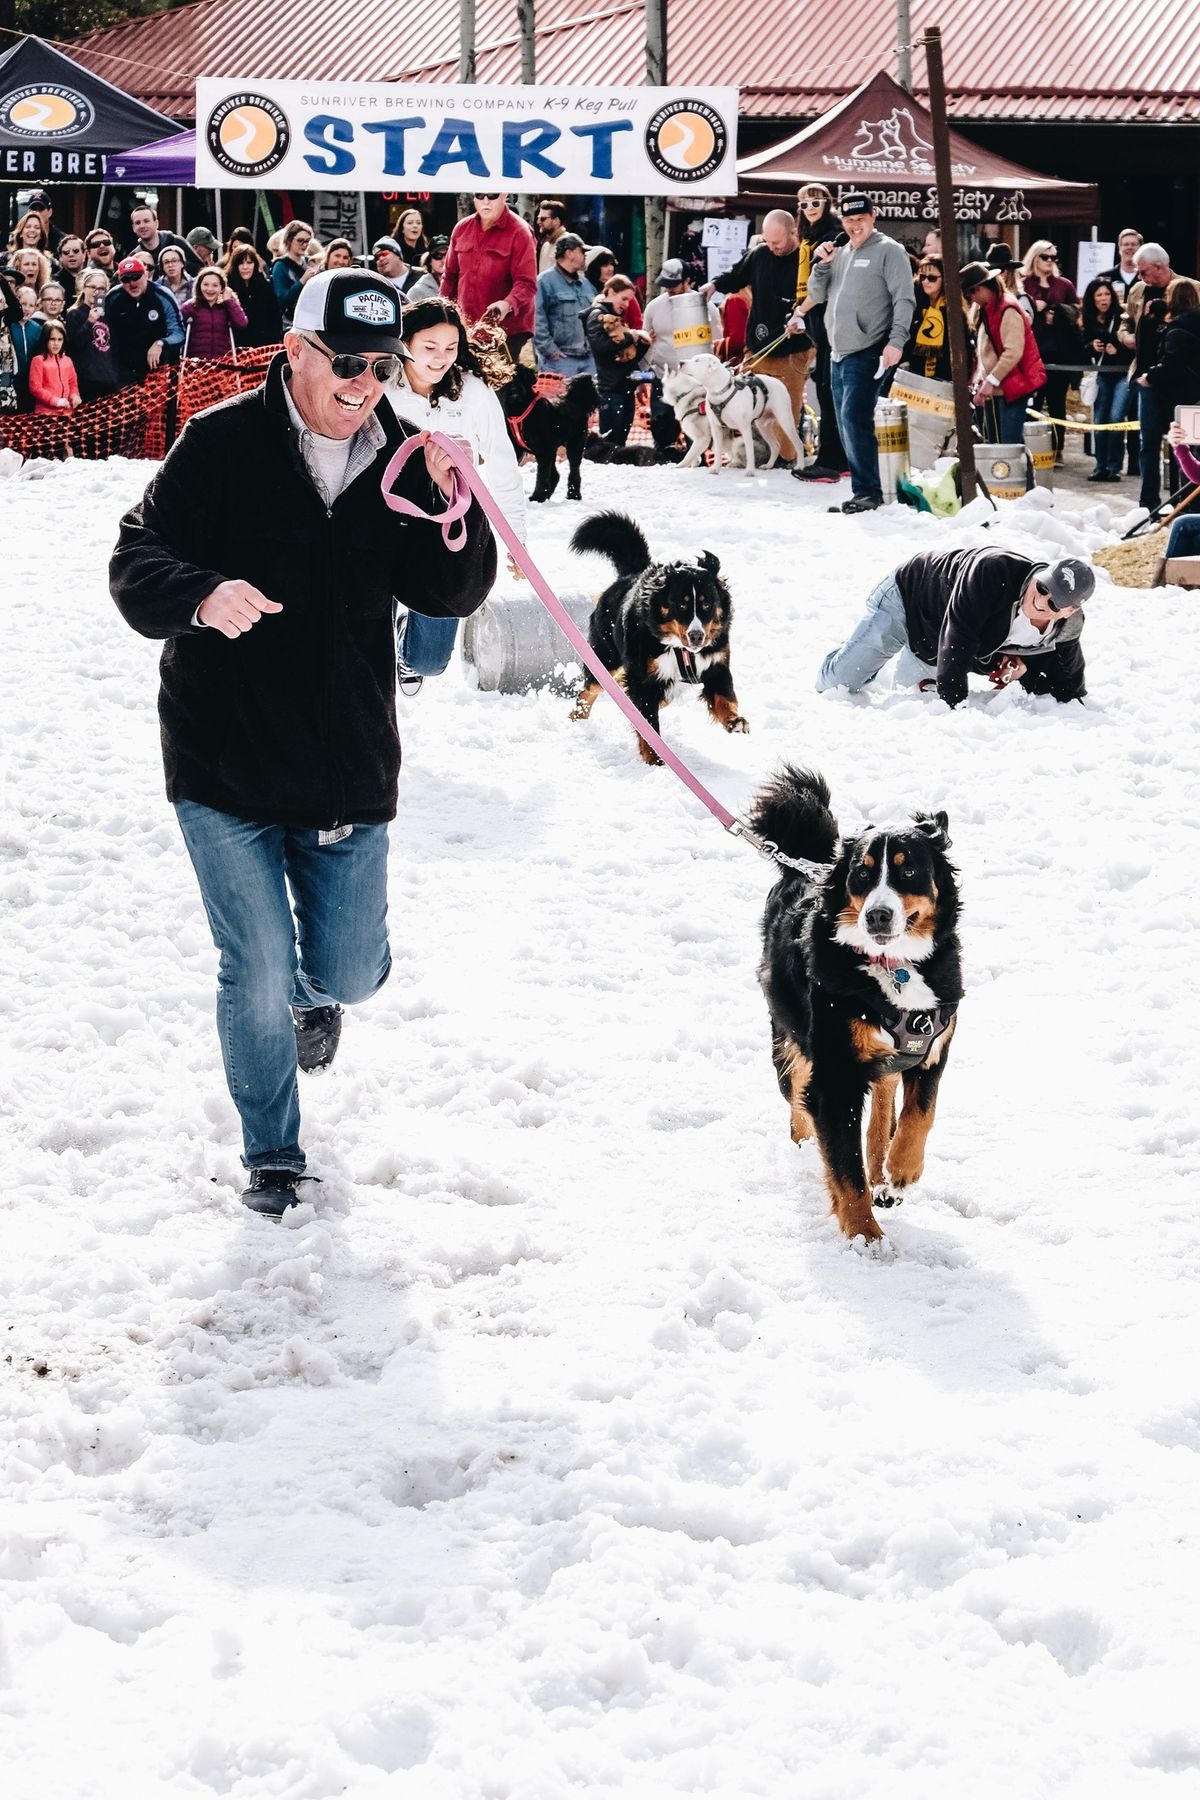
[291, 268]
[928, 349]
[818, 223]
[246, 275]
[1055, 327]
[447, 385]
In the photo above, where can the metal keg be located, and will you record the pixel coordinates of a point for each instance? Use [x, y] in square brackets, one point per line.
[1002, 469]
[512, 645]
[691, 332]
[891, 440]
[1039, 442]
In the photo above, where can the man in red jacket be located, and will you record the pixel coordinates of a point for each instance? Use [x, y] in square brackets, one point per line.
[491, 269]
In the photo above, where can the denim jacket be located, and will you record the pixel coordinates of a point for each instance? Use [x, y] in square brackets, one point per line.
[560, 308]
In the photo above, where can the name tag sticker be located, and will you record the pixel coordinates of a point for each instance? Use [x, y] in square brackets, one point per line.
[862, 262]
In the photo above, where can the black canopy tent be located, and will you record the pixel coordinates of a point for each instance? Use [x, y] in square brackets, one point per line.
[58, 120]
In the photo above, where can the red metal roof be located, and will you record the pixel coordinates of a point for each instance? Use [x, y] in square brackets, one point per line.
[1067, 60]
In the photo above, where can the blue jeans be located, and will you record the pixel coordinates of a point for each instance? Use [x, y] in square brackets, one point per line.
[1184, 539]
[880, 634]
[424, 645]
[1003, 421]
[1112, 391]
[616, 413]
[327, 943]
[567, 365]
[855, 391]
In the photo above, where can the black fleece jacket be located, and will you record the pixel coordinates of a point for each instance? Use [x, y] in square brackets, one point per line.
[958, 608]
[294, 722]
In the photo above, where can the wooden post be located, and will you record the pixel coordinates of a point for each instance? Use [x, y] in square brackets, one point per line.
[527, 27]
[466, 71]
[956, 328]
[655, 205]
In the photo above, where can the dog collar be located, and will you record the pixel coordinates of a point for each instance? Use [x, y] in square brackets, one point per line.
[686, 663]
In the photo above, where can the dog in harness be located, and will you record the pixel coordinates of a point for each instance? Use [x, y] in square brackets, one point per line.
[861, 969]
[686, 394]
[735, 404]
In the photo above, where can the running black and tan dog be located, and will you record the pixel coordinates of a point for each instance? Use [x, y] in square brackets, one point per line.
[862, 975]
[659, 625]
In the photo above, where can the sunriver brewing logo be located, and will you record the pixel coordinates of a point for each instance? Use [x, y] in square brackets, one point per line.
[686, 140]
[44, 110]
[248, 135]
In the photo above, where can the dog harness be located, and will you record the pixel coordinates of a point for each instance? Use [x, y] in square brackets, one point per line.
[914, 1032]
[686, 663]
[758, 391]
[514, 421]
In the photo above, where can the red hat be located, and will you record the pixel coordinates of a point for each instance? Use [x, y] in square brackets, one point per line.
[131, 265]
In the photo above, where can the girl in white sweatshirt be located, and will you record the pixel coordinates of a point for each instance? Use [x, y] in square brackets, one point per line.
[441, 387]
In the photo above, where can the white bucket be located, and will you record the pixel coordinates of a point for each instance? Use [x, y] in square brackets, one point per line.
[930, 415]
[510, 646]
[691, 332]
[1039, 442]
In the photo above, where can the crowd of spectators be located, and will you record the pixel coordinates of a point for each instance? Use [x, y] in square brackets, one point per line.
[819, 296]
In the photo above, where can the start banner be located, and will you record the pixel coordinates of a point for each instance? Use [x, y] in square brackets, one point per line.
[380, 136]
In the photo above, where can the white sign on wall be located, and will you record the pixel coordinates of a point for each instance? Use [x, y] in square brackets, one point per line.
[379, 137]
[1093, 256]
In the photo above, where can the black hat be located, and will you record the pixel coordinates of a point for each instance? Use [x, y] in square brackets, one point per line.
[1067, 582]
[1000, 257]
[387, 243]
[39, 201]
[854, 205]
[438, 244]
[350, 309]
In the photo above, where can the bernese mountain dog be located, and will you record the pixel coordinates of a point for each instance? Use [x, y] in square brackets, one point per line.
[658, 626]
[862, 975]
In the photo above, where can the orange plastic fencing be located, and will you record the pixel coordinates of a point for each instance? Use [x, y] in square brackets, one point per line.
[139, 421]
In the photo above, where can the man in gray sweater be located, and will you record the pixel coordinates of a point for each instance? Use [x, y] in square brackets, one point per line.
[866, 288]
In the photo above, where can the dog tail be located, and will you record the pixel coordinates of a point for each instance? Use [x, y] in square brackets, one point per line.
[793, 812]
[614, 534]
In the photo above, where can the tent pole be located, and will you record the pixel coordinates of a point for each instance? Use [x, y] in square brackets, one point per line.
[179, 211]
[220, 223]
[99, 208]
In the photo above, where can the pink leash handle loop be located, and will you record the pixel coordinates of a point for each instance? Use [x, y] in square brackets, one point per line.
[568, 627]
[453, 520]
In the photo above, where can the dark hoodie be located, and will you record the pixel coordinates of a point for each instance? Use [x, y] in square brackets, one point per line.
[1176, 374]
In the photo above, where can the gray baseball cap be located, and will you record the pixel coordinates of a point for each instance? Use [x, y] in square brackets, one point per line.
[1067, 582]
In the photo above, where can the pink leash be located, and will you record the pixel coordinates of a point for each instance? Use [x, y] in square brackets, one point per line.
[454, 531]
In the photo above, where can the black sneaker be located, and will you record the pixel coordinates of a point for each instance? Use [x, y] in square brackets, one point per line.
[816, 473]
[318, 1032]
[860, 504]
[272, 1191]
[407, 680]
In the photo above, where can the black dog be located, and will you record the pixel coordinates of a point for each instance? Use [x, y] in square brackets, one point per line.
[543, 427]
[862, 977]
[661, 623]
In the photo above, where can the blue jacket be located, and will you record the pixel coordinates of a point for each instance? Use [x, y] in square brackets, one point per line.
[560, 307]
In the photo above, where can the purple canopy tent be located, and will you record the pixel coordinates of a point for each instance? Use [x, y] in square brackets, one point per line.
[170, 162]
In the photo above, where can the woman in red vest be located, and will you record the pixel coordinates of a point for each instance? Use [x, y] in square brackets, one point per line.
[1008, 367]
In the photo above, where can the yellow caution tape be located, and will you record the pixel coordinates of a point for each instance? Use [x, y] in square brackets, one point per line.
[1075, 425]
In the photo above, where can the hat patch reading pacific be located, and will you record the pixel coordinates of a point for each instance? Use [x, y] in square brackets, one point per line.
[368, 307]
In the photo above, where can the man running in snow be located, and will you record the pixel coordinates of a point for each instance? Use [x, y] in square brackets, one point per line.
[265, 555]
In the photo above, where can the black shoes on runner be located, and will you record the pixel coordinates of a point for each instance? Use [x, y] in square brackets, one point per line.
[318, 1033]
[860, 504]
[815, 472]
[408, 681]
[272, 1191]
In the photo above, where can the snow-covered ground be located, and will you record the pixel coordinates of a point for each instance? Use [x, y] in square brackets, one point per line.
[564, 1448]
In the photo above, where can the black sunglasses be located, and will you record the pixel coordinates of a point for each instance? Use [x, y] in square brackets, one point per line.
[933, 278]
[99, 244]
[346, 367]
[125, 279]
[486, 196]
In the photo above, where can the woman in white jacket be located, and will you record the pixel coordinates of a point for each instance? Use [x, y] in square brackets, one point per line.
[442, 387]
